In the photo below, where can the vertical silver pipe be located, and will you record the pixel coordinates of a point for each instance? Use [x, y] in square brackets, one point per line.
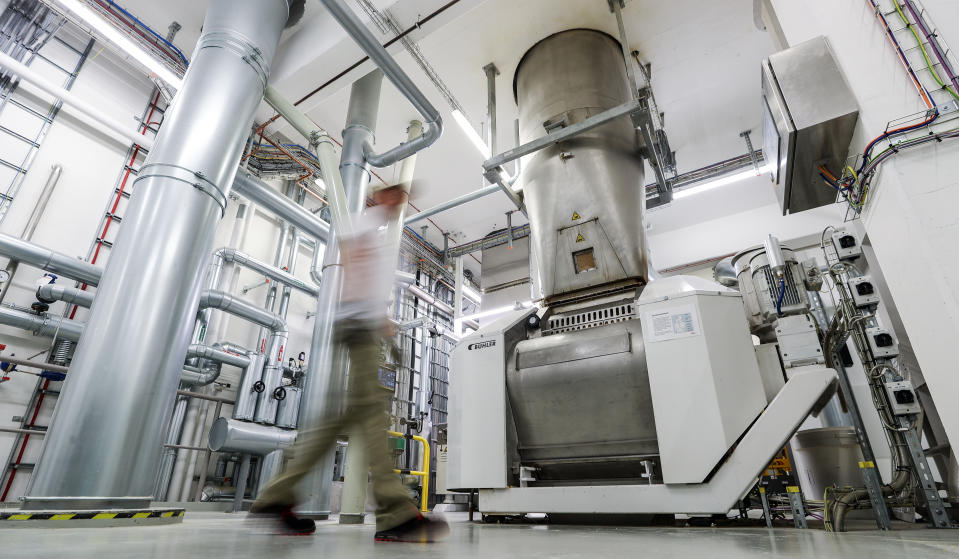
[491, 73]
[326, 369]
[241, 479]
[32, 223]
[273, 345]
[169, 454]
[394, 229]
[360, 126]
[107, 431]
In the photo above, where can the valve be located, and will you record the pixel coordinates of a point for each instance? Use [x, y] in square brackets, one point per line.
[279, 393]
[259, 386]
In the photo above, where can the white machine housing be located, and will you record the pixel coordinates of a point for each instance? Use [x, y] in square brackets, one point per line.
[703, 373]
[715, 430]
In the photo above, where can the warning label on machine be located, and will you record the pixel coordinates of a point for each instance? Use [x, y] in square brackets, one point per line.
[667, 324]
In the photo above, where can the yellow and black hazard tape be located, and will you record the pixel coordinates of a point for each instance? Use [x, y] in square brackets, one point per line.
[91, 515]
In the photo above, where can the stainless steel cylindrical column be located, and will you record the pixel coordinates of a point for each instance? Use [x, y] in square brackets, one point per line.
[327, 364]
[108, 429]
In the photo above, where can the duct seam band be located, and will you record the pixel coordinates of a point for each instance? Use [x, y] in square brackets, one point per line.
[250, 53]
[196, 179]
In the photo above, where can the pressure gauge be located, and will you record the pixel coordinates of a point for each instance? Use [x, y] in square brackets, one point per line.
[4, 276]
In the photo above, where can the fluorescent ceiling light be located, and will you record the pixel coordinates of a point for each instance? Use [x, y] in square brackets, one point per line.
[472, 134]
[723, 181]
[120, 40]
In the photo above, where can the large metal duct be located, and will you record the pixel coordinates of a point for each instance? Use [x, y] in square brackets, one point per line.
[108, 429]
[584, 196]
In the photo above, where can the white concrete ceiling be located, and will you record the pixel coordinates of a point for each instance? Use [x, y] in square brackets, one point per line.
[705, 60]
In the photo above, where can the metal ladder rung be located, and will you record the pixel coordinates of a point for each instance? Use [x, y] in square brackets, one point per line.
[104, 242]
[9, 165]
[21, 466]
[54, 64]
[68, 45]
[113, 216]
[45, 117]
[124, 194]
[18, 136]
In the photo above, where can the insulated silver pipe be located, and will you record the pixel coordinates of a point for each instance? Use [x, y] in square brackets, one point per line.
[264, 269]
[218, 355]
[360, 124]
[458, 201]
[41, 324]
[269, 199]
[32, 223]
[107, 432]
[195, 376]
[366, 41]
[169, 454]
[55, 292]
[326, 367]
[46, 259]
[220, 300]
[230, 435]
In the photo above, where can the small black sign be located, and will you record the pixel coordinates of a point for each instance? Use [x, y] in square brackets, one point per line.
[481, 345]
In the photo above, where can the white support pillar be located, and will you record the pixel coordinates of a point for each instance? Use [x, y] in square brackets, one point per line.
[458, 296]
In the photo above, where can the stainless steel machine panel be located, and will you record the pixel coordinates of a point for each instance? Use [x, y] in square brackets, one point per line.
[584, 196]
[582, 395]
[810, 115]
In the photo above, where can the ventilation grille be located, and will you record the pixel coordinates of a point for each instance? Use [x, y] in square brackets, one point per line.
[590, 319]
[791, 297]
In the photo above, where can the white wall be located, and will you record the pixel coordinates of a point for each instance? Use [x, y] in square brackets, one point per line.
[700, 235]
[911, 218]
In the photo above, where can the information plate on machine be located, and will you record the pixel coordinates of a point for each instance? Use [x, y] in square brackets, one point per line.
[671, 323]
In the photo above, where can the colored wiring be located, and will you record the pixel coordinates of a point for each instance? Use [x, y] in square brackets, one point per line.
[150, 31]
[927, 99]
[925, 55]
[782, 295]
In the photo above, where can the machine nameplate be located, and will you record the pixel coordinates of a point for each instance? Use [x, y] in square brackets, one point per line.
[583, 349]
[671, 323]
[481, 345]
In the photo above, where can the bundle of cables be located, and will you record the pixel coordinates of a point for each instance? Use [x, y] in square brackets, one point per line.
[853, 184]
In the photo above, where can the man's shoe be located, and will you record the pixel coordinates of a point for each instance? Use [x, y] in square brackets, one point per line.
[283, 521]
[418, 530]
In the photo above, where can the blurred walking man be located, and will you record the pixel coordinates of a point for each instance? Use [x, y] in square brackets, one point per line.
[361, 324]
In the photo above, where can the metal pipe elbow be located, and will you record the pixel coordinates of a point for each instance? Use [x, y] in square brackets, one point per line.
[196, 376]
[213, 298]
[432, 133]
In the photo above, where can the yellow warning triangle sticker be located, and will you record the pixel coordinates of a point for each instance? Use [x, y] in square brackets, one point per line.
[579, 238]
[575, 216]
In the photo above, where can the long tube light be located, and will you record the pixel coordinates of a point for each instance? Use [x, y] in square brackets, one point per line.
[722, 181]
[492, 312]
[472, 134]
[118, 39]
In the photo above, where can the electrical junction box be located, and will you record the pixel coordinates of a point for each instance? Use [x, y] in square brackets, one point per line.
[882, 342]
[864, 292]
[902, 398]
[798, 341]
[846, 245]
[809, 115]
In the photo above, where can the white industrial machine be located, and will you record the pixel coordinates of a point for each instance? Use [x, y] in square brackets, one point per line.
[618, 396]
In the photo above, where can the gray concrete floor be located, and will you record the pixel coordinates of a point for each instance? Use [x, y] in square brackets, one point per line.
[217, 535]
